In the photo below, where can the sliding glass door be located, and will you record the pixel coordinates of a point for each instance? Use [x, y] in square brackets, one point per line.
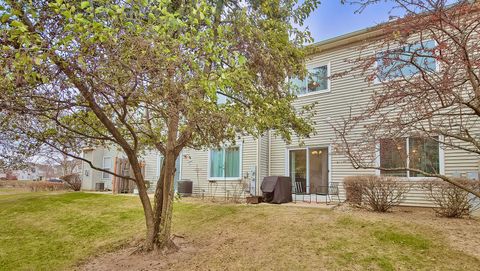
[298, 170]
[308, 170]
[318, 170]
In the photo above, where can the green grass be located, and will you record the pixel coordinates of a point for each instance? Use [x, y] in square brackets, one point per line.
[41, 231]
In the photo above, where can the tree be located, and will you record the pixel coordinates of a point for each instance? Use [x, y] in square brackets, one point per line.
[428, 76]
[137, 75]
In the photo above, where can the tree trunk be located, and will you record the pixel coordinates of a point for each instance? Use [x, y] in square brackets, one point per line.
[146, 204]
[165, 226]
[165, 212]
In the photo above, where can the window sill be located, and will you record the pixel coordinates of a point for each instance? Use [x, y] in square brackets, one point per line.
[415, 179]
[224, 179]
[313, 93]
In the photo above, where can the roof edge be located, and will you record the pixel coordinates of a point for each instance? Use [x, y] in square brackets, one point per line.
[338, 41]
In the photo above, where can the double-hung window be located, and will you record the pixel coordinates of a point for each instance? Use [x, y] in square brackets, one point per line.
[406, 61]
[413, 152]
[107, 165]
[225, 163]
[317, 80]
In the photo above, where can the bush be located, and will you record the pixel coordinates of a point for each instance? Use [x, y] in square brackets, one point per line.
[13, 184]
[452, 201]
[377, 193]
[353, 190]
[46, 186]
[73, 181]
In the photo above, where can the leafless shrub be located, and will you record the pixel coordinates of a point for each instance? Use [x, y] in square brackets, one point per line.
[46, 186]
[377, 193]
[73, 180]
[13, 183]
[237, 192]
[452, 201]
[353, 189]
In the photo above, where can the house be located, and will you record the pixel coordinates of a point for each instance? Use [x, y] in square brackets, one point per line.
[314, 165]
[32, 171]
[111, 159]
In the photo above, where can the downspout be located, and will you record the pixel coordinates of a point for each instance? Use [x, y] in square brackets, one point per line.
[114, 181]
[269, 153]
[257, 166]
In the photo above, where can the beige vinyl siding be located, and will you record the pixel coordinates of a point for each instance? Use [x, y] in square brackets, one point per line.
[346, 93]
[150, 158]
[196, 169]
[263, 161]
[87, 183]
[459, 161]
[95, 176]
[349, 94]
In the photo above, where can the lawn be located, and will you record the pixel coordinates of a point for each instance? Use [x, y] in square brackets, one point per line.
[41, 231]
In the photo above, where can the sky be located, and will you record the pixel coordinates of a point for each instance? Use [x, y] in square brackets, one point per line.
[333, 19]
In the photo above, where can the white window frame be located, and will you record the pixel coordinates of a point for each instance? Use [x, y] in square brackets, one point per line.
[240, 150]
[310, 67]
[441, 159]
[375, 66]
[106, 176]
[329, 159]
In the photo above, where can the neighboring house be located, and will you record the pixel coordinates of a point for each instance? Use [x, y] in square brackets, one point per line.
[33, 172]
[314, 165]
[108, 159]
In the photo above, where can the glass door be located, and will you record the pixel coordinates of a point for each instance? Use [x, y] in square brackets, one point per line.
[318, 170]
[308, 170]
[298, 170]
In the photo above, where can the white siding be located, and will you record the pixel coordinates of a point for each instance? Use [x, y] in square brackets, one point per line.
[195, 168]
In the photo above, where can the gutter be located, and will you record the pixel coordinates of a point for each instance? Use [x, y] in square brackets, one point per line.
[346, 39]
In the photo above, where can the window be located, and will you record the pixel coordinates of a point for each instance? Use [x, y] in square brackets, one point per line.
[405, 62]
[414, 152]
[393, 154]
[423, 155]
[107, 165]
[316, 81]
[225, 163]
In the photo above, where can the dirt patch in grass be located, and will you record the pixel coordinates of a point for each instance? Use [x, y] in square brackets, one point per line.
[266, 237]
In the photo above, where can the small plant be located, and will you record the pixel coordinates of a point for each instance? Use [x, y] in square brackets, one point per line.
[452, 201]
[377, 193]
[237, 191]
[177, 197]
[73, 180]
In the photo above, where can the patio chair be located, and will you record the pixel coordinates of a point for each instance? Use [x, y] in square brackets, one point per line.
[320, 191]
[299, 189]
[334, 191]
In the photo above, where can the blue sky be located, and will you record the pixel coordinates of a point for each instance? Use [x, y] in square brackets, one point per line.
[333, 19]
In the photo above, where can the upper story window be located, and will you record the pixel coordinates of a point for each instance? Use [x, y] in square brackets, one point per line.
[413, 152]
[317, 80]
[407, 61]
[107, 165]
[225, 163]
